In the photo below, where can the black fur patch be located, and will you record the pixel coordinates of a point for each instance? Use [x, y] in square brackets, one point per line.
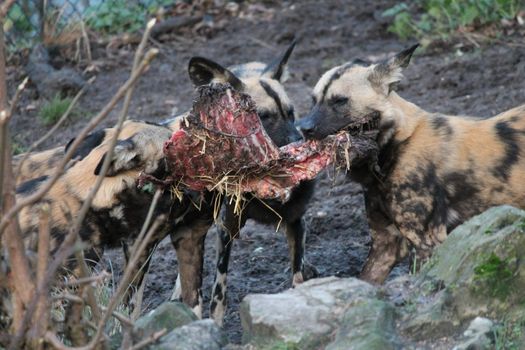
[389, 155]
[218, 291]
[30, 186]
[423, 182]
[361, 62]
[333, 78]
[135, 204]
[509, 136]
[462, 185]
[441, 124]
[275, 97]
[99, 166]
[90, 142]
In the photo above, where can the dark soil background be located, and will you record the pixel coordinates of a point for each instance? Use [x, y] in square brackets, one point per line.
[454, 79]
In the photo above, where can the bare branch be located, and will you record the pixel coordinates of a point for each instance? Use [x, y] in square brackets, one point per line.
[69, 297]
[3, 151]
[121, 318]
[4, 9]
[87, 280]
[18, 93]
[151, 339]
[90, 293]
[41, 316]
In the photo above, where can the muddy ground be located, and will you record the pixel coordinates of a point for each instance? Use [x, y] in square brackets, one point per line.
[455, 79]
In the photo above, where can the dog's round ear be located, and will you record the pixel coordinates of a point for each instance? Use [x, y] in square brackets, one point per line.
[387, 74]
[277, 69]
[91, 141]
[125, 157]
[204, 71]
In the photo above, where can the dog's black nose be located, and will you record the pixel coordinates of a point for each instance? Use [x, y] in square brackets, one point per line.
[306, 127]
[295, 136]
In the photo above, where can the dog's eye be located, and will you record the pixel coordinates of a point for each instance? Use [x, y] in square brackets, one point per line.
[338, 100]
[291, 113]
[264, 116]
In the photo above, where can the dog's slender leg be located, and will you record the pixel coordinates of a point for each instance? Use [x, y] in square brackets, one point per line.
[140, 269]
[228, 229]
[296, 236]
[189, 245]
[388, 246]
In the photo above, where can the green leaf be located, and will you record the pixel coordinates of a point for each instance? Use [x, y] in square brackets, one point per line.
[469, 16]
[394, 10]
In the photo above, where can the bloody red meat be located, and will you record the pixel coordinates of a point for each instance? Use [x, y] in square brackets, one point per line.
[223, 146]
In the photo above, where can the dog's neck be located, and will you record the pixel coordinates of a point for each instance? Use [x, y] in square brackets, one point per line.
[399, 119]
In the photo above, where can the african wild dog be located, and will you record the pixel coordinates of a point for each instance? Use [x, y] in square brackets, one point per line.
[263, 83]
[435, 170]
[119, 209]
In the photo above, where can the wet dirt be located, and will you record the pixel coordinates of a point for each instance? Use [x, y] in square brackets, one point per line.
[462, 79]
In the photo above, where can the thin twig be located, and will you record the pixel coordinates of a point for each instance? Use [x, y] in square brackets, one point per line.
[90, 293]
[3, 151]
[5, 116]
[87, 280]
[127, 331]
[126, 339]
[87, 44]
[147, 222]
[151, 339]
[4, 9]
[62, 119]
[18, 93]
[41, 317]
[121, 318]
[69, 297]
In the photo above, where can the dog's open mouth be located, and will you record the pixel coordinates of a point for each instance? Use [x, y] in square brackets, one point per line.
[368, 125]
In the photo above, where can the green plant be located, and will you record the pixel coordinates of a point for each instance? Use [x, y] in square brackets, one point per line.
[51, 112]
[521, 225]
[441, 17]
[17, 148]
[116, 16]
[496, 273]
[19, 20]
[283, 346]
[508, 335]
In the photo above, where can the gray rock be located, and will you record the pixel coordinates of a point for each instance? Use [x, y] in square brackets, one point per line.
[168, 315]
[478, 271]
[367, 326]
[305, 317]
[48, 80]
[477, 335]
[199, 335]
